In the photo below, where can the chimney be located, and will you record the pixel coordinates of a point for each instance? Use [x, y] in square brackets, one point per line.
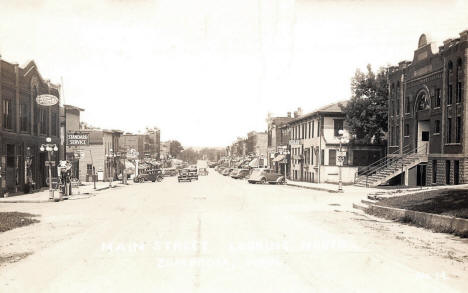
[299, 111]
[289, 114]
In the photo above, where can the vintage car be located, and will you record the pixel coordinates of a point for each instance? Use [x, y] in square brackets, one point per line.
[227, 171]
[148, 175]
[169, 172]
[187, 175]
[266, 175]
[202, 172]
[240, 173]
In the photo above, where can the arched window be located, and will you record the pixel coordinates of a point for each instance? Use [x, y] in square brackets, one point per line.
[458, 80]
[449, 83]
[423, 102]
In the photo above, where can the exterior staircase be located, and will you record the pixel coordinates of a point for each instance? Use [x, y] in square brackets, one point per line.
[390, 166]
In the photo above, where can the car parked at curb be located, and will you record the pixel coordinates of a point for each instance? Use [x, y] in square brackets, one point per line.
[266, 176]
[227, 171]
[240, 173]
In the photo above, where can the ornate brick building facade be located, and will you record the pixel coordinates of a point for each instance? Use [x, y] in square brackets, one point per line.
[428, 112]
[24, 126]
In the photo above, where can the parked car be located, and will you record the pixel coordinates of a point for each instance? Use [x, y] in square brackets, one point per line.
[202, 172]
[266, 175]
[169, 172]
[227, 171]
[240, 173]
[212, 164]
[193, 173]
[184, 175]
[148, 175]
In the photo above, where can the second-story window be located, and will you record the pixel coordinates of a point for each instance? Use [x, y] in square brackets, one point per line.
[24, 117]
[312, 129]
[437, 98]
[43, 120]
[7, 114]
[338, 125]
[54, 124]
[407, 105]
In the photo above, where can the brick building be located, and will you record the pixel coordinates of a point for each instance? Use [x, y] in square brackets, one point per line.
[428, 112]
[25, 125]
[275, 145]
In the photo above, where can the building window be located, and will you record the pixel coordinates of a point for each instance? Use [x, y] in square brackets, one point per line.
[43, 120]
[406, 130]
[54, 124]
[459, 92]
[437, 127]
[7, 114]
[407, 106]
[398, 106]
[332, 157]
[311, 155]
[312, 129]
[338, 125]
[23, 113]
[449, 130]
[397, 135]
[392, 110]
[458, 81]
[423, 102]
[449, 94]
[437, 98]
[434, 171]
[322, 157]
[458, 133]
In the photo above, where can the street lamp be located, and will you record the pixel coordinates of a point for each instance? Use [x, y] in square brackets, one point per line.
[49, 148]
[110, 159]
[340, 159]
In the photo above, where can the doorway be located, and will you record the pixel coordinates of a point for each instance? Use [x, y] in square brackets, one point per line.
[421, 175]
[456, 172]
[447, 172]
[422, 139]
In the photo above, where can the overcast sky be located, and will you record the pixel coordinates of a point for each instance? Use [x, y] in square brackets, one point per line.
[208, 71]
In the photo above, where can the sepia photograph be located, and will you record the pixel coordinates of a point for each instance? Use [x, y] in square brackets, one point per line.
[303, 146]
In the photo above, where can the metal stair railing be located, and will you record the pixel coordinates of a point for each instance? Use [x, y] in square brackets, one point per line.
[370, 167]
[389, 162]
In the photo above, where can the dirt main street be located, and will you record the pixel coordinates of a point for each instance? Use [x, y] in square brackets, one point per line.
[223, 235]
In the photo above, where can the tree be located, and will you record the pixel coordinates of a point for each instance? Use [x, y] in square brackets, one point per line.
[189, 155]
[367, 110]
[175, 148]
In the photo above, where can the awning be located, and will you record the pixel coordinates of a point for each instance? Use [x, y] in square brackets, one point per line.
[279, 158]
[254, 163]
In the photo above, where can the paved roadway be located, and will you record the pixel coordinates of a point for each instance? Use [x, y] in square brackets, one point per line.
[224, 235]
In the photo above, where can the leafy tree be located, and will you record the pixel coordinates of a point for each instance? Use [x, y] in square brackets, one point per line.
[189, 155]
[367, 110]
[175, 148]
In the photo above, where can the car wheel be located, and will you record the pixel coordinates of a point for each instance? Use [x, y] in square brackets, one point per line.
[263, 181]
[159, 179]
[282, 181]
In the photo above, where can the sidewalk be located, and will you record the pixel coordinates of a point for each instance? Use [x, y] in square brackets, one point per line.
[84, 191]
[328, 187]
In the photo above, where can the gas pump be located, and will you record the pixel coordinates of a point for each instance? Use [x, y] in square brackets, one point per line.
[64, 176]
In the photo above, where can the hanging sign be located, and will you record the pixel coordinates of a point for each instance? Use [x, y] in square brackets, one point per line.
[47, 100]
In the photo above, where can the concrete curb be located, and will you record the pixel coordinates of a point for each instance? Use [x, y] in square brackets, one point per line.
[438, 223]
[90, 194]
[313, 188]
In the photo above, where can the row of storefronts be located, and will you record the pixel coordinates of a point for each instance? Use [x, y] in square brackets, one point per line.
[24, 127]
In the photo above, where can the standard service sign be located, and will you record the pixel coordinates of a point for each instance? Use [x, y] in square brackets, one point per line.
[77, 139]
[46, 100]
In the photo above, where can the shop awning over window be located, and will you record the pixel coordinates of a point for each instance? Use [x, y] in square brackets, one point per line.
[279, 158]
[254, 163]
